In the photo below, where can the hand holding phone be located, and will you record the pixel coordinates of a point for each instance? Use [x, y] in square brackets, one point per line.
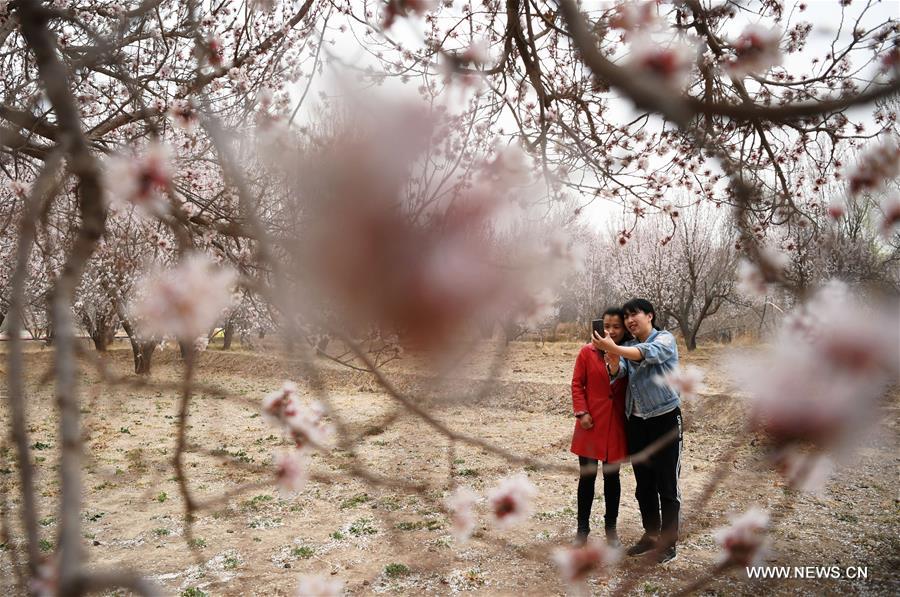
[597, 330]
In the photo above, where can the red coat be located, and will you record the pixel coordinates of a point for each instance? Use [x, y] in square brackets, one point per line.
[605, 441]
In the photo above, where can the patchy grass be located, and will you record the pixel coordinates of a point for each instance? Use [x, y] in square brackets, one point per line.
[356, 500]
[303, 552]
[362, 526]
[395, 570]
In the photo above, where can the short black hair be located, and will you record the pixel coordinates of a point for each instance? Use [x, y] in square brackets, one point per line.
[614, 311]
[617, 312]
[640, 304]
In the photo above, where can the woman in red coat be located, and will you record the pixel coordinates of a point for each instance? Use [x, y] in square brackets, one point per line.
[600, 427]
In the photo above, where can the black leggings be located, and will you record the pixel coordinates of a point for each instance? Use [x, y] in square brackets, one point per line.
[612, 490]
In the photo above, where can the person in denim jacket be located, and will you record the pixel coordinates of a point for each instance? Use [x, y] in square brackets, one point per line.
[654, 415]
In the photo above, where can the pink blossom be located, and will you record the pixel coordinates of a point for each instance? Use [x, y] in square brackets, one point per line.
[670, 64]
[819, 382]
[46, 582]
[319, 585]
[263, 5]
[476, 53]
[307, 425]
[276, 403]
[802, 470]
[836, 209]
[291, 470]
[461, 504]
[184, 114]
[214, 51]
[510, 500]
[426, 276]
[508, 167]
[634, 15]
[890, 215]
[687, 381]
[404, 8]
[755, 51]
[576, 564]
[890, 60]
[184, 301]
[19, 188]
[142, 181]
[877, 166]
[752, 281]
[745, 539]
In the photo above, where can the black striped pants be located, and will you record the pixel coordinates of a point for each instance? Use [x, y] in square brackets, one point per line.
[657, 492]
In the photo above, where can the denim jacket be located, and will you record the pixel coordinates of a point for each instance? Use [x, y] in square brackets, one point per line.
[646, 397]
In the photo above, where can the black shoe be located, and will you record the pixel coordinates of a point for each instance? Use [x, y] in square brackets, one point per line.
[612, 538]
[666, 555]
[645, 544]
[581, 538]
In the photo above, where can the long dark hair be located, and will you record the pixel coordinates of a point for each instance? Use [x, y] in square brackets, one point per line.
[639, 304]
[617, 312]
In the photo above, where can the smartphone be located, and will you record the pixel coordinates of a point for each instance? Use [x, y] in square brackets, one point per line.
[597, 326]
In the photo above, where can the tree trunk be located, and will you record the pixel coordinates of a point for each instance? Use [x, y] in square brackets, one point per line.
[688, 333]
[101, 340]
[227, 336]
[143, 355]
[111, 334]
[690, 341]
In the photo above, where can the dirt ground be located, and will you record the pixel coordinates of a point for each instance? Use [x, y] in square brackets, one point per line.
[385, 540]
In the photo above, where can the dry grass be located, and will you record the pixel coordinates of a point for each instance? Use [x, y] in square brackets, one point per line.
[259, 542]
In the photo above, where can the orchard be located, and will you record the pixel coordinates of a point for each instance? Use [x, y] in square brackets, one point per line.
[291, 292]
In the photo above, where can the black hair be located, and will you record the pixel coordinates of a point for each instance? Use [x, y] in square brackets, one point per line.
[617, 312]
[639, 304]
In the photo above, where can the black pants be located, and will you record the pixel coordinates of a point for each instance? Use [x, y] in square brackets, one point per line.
[612, 491]
[657, 478]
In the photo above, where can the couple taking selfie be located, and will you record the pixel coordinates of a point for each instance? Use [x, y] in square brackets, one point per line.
[621, 409]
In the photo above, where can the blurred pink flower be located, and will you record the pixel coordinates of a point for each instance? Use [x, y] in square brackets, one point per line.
[890, 216]
[755, 51]
[634, 15]
[819, 382]
[668, 63]
[184, 114]
[142, 180]
[875, 167]
[576, 564]
[686, 380]
[803, 471]
[476, 53]
[19, 188]
[425, 276]
[276, 403]
[319, 585]
[184, 301]
[461, 504]
[404, 8]
[510, 500]
[836, 209]
[45, 582]
[751, 280]
[307, 425]
[291, 470]
[745, 539]
[201, 343]
[214, 51]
